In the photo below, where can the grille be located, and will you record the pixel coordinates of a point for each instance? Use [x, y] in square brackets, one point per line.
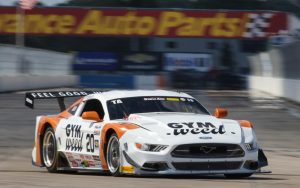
[206, 166]
[208, 151]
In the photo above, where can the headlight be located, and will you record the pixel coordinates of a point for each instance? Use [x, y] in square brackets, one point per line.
[151, 147]
[251, 146]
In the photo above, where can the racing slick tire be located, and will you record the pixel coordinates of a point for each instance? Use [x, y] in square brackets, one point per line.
[237, 176]
[113, 155]
[49, 150]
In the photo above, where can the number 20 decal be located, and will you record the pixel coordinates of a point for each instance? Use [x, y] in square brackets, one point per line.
[90, 145]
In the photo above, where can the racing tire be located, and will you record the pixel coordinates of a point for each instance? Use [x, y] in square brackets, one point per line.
[237, 176]
[113, 155]
[49, 150]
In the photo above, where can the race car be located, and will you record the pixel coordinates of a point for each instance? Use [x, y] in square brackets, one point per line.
[143, 132]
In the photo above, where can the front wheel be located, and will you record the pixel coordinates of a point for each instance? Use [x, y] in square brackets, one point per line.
[113, 155]
[237, 176]
[49, 150]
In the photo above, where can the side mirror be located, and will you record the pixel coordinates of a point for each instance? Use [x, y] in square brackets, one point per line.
[221, 112]
[91, 115]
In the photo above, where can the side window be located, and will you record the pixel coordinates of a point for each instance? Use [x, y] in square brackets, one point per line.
[93, 105]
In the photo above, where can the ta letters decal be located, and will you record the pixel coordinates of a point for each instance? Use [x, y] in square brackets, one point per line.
[196, 128]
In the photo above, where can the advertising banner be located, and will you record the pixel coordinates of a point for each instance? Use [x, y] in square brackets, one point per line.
[187, 61]
[146, 22]
[141, 61]
[95, 61]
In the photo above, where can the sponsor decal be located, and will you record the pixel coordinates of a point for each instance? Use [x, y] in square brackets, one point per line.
[61, 94]
[102, 61]
[205, 137]
[141, 61]
[196, 128]
[98, 165]
[71, 158]
[97, 161]
[187, 61]
[96, 157]
[96, 132]
[74, 164]
[91, 164]
[173, 99]
[74, 137]
[88, 157]
[127, 169]
[96, 143]
[30, 97]
[154, 99]
[140, 58]
[85, 163]
[145, 22]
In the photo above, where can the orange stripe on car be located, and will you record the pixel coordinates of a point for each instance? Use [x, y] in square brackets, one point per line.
[119, 129]
[44, 121]
[245, 123]
[53, 121]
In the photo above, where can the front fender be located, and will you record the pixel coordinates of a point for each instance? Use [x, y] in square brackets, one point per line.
[120, 129]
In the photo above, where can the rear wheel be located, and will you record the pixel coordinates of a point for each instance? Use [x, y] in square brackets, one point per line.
[49, 150]
[237, 176]
[113, 155]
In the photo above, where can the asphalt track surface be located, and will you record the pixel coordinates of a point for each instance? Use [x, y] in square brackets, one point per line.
[276, 123]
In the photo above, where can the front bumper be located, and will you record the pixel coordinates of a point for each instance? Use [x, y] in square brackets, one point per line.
[160, 163]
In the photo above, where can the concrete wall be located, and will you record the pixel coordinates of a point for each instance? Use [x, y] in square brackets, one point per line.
[277, 72]
[279, 87]
[35, 61]
[22, 69]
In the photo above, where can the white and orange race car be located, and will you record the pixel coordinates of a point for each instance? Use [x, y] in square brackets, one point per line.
[143, 132]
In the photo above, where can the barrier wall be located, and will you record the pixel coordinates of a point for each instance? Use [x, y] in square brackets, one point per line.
[34, 61]
[279, 87]
[277, 72]
[22, 69]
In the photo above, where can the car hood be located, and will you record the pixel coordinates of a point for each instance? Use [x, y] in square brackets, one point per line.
[189, 127]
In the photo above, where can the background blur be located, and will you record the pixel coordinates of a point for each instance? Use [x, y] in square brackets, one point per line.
[142, 44]
[218, 51]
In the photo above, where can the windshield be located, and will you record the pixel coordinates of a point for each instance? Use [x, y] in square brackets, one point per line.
[123, 107]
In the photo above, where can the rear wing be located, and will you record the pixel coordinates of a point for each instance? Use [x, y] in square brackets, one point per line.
[60, 96]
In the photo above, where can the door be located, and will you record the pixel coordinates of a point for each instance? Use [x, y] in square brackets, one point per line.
[80, 138]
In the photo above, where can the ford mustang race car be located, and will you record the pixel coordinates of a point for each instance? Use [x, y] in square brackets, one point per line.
[143, 132]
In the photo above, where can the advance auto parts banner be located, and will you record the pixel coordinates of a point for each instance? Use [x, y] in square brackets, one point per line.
[139, 22]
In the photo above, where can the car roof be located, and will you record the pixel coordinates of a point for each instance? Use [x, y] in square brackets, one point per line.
[117, 94]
